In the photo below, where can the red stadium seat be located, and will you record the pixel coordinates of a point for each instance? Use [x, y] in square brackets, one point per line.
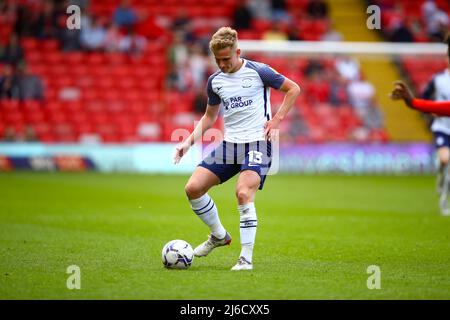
[29, 44]
[106, 83]
[318, 135]
[31, 106]
[249, 35]
[99, 118]
[79, 118]
[39, 69]
[116, 106]
[95, 58]
[9, 105]
[126, 84]
[14, 118]
[379, 135]
[261, 25]
[49, 45]
[53, 58]
[73, 107]
[74, 58]
[95, 106]
[137, 107]
[34, 57]
[115, 58]
[47, 137]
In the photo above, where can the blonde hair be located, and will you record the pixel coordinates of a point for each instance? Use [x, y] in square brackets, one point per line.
[223, 38]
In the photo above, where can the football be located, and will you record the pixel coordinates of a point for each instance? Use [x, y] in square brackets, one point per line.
[177, 254]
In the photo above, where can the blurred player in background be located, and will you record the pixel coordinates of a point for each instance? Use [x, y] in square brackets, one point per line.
[242, 87]
[437, 89]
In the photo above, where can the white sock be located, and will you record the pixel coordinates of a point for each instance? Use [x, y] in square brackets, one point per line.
[446, 178]
[248, 225]
[205, 208]
[441, 168]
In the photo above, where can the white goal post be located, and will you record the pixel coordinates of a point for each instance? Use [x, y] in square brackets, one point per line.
[338, 47]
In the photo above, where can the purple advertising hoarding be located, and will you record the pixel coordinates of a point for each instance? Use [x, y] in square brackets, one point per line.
[354, 158]
[309, 158]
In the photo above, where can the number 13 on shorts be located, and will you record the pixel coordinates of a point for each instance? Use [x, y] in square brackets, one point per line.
[254, 157]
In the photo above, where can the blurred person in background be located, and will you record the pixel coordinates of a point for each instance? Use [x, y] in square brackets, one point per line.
[25, 19]
[179, 78]
[13, 53]
[125, 16]
[276, 32]
[8, 11]
[178, 50]
[330, 33]
[29, 134]
[30, 85]
[338, 90]
[313, 66]
[182, 25]
[294, 33]
[441, 108]
[198, 63]
[397, 30]
[242, 16]
[132, 43]
[296, 127]
[436, 20]
[437, 89]
[10, 135]
[347, 67]
[112, 38]
[93, 35]
[46, 25]
[148, 27]
[279, 11]
[9, 84]
[199, 102]
[361, 94]
[70, 38]
[317, 9]
[261, 9]
[83, 4]
[181, 20]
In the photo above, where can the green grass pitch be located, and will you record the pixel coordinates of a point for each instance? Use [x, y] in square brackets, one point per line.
[317, 236]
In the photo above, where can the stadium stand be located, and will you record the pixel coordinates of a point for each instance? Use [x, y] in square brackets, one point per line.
[420, 21]
[424, 20]
[117, 95]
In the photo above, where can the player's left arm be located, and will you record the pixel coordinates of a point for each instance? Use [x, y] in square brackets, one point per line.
[291, 90]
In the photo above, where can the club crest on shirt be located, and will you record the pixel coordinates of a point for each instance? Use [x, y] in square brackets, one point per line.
[226, 104]
[247, 82]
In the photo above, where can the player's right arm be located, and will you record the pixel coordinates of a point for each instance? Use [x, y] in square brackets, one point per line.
[401, 91]
[441, 108]
[206, 122]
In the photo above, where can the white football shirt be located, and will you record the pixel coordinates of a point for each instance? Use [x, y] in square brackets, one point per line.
[245, 99]
[441, 93]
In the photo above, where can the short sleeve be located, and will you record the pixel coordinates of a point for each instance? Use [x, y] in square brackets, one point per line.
[429, 90]
[213, 98]
[270, 77]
